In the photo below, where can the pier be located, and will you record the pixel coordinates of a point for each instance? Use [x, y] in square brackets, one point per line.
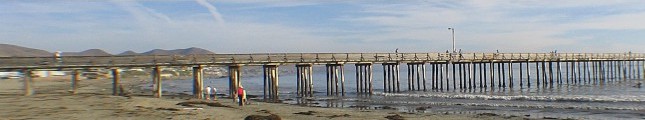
[425, 71]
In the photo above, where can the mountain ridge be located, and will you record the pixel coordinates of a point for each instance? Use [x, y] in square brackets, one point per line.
[8, 50]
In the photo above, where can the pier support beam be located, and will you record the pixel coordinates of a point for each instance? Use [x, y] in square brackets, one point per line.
[116, 82]
[271, 79]
[75, 80]
[234, 75]
[198, 82]
[364, 78]
[492, 74]
[304, 80]
[391, 77]
[28, 82]
[416, 71]
[528, 73]
[510, 74]
[157, 78]
[434, 76]
[335, 79]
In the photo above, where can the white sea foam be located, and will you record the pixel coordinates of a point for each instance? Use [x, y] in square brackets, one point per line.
[559, 98]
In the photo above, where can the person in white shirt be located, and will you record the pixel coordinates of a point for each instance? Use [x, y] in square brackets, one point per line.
[208, 92]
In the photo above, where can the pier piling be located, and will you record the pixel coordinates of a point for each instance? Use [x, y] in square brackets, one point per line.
[116, 82]
[198, 82]
[75, 81]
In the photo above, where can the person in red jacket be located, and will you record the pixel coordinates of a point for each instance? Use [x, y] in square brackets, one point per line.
[241, 95]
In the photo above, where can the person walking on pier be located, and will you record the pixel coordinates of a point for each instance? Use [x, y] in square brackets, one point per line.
[208, 93]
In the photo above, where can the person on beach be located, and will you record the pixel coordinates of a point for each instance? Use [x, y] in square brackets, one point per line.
[208, 93]
[241, 95]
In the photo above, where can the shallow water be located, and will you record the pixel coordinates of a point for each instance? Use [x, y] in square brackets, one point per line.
[595, 99]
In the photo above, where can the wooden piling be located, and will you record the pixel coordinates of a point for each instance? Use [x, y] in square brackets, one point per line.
[76, 76]
[544, 73]
[116, 81]
[276, 80]
[603, 72]
[594, 71]
[551, 74]
[410, 77]
[329, 80]
[503, 75]
[423, 74]
[481, 76]
[574, 76]
[528, 73]
[500, 75]
[157, 72]
[566, 70]
[397, 76]
[471, 76]
[358, 78]
[454, 79]
[610, 71]
[588, 71]
[433, 76]
[369, 74]
[484, 73]
[336, 80]
[537, 73]
[442, 75]
[342, 79]
[198, 82]
[363, 78]
[234, 80]
[643, 67]
[559, 71]
[303, 81]
[267, 82]
[418, 75]
[310, 80]
[510, 74]
[492, 74]
[27, 82]
[386, 78]
[521, 74]
[461, 76]
[580, 72]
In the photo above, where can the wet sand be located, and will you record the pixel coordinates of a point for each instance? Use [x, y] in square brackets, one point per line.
[52, 100]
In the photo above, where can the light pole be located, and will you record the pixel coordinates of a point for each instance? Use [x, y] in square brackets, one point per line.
[453, 39]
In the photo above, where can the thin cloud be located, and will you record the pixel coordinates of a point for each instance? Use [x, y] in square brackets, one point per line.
[216, 15]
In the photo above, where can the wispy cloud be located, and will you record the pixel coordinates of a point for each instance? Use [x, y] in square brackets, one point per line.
[216, 15]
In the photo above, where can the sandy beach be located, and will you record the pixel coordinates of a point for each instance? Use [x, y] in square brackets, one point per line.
[52, 100]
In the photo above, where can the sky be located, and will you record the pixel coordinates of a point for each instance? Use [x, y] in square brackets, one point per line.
[297, 26]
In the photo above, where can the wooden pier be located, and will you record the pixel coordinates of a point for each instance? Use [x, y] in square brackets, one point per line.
[446, 71]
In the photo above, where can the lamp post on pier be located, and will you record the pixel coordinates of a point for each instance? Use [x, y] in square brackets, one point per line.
[453, 39]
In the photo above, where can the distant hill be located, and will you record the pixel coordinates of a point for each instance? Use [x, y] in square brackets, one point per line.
[90, 52]
[187, 51]
[7, 50]
[129, 52]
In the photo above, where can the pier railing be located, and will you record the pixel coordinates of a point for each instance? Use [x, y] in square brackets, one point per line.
[296, 58]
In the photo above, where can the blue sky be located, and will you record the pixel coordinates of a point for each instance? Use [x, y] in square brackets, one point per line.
[271, 26]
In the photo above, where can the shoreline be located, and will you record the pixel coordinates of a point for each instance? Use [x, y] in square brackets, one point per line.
[94, 101]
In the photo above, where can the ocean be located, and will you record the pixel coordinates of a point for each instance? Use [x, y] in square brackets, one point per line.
[593, 99]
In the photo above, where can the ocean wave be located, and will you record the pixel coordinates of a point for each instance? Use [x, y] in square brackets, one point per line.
[538, 106]
[555, 98]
